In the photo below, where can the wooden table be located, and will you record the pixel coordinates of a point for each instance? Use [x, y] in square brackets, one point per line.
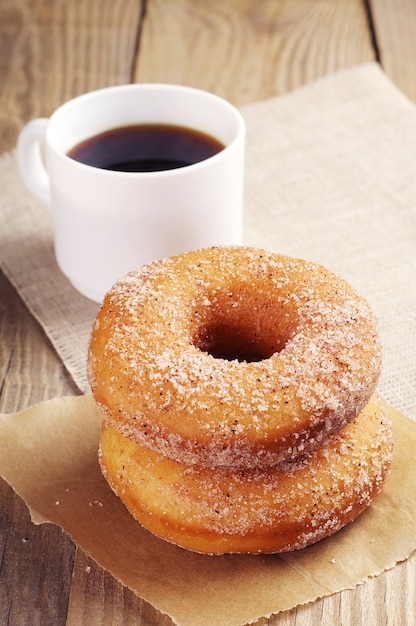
[244, 50]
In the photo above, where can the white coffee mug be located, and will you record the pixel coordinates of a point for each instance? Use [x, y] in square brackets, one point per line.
[109, 222]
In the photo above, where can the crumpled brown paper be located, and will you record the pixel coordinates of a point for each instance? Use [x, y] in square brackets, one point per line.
[48, 454]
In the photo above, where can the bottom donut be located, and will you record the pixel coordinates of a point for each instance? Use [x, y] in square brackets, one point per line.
[287, 507]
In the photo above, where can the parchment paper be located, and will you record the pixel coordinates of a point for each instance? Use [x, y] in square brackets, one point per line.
[49, 456]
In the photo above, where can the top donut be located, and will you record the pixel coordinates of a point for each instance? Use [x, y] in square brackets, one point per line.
[233, 356]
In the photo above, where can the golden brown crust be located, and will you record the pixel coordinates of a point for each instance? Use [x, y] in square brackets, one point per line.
[233, 357]
[283, 508]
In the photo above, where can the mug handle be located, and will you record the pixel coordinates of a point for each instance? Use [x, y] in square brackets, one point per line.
[30, 143]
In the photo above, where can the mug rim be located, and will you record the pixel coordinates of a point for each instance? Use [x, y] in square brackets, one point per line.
[237, 139]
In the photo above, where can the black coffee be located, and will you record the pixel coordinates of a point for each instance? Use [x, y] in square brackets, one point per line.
[146, 148]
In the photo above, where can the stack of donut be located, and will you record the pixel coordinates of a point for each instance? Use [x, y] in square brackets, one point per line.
[238, 394]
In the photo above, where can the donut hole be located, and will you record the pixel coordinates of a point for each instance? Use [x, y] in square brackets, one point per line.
[229, 342]
[244, 328]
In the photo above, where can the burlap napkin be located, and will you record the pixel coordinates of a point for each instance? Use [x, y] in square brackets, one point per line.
[330, 176]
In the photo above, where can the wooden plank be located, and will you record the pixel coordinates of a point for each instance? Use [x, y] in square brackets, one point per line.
[394, 23]
[35, 567]
[97, 599]
[280, 44]
[53, 51]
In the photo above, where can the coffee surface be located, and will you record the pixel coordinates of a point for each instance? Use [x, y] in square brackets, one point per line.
[146, 148]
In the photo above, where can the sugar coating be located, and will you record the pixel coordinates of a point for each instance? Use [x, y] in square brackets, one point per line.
[157, 370]
[285, 507]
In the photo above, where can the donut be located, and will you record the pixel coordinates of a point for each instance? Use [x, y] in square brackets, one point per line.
[285, 507]
[232, 357]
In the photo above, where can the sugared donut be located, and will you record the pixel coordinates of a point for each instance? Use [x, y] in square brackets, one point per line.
[286, 507]
[232, 356]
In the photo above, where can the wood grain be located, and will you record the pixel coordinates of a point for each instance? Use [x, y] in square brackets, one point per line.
[395, 33]
[247, 51]
[97, 599]
[36, 561]
[54, 50]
